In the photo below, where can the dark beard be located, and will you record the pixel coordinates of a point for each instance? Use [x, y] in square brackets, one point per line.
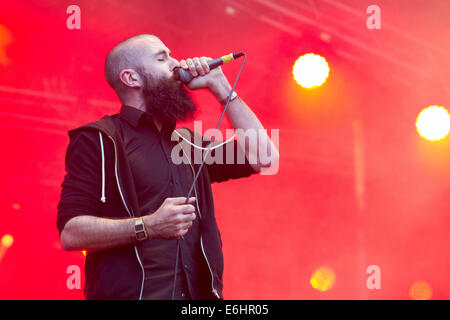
[168, 100]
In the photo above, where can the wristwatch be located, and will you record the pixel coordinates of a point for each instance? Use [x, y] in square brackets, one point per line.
[224, 100]
[139, 228]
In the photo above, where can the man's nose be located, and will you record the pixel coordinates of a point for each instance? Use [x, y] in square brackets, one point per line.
[174, 63]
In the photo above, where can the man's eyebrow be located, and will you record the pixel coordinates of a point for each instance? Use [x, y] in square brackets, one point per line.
[162, 52]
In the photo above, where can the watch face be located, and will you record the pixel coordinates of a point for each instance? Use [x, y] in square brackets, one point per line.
[139, 228]
[141, 235]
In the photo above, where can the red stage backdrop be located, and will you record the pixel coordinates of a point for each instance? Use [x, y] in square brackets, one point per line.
[356, 186]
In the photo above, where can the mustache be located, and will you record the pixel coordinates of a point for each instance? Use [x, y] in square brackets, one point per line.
[175, 77]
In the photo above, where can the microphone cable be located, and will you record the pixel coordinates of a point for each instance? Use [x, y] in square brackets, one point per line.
[200, 169]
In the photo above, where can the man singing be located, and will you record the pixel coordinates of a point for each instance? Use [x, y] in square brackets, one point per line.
[123, 199]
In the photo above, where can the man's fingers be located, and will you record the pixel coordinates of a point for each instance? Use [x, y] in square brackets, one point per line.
[186, 226]
[183, 233]
[196, 66]
[185, 218]
[184, 209]
[183, 64]
[191, 66]
[199, 66]
[179, 200]
[204, 63]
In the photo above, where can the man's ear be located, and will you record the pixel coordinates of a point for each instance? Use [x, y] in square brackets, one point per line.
[130, 78]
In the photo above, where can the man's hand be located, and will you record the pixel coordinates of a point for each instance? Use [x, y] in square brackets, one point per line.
[172, 220]
[203, 76]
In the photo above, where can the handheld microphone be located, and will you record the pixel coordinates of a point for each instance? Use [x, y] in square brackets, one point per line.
[186, 77]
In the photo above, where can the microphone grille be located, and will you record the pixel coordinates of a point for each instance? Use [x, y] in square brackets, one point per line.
[237, 54]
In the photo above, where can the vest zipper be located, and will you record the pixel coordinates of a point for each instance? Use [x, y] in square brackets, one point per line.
[126, 207]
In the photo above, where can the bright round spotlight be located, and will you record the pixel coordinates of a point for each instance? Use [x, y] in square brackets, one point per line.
[420, 290]
[323, 279]
[433, 123]
[7, 240]
[310, 70]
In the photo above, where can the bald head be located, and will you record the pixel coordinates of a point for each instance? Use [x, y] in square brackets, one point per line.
[129, 54]
[141, 70]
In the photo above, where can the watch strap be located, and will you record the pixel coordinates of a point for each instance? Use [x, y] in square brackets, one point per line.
[139, 229]
[233, 96]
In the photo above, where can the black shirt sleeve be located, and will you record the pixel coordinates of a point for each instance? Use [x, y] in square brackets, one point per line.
[81, 188]
[233, 166]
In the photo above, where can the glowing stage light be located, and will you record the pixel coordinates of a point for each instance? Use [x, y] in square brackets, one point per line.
[433, 123]
[323, 279]
[420, 290]
[5, 40]
[5, 243]
[7, 240]
[310, 70]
